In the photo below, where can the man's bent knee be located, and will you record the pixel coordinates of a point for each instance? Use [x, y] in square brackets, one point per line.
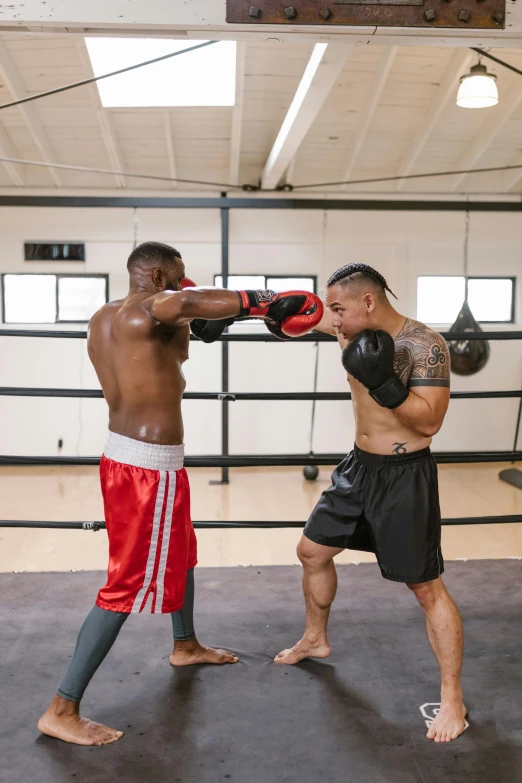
[314, 555]
[427, 593]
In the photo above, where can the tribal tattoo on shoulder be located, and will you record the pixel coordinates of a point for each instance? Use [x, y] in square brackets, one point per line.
[421, 356]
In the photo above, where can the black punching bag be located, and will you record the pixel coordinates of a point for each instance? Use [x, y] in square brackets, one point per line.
[467, 356]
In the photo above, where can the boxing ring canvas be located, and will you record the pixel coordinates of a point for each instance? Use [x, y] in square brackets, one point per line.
[354, 717]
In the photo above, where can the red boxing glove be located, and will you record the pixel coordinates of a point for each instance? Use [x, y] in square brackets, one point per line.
[307, 318]
[188, 283]
[289, 314]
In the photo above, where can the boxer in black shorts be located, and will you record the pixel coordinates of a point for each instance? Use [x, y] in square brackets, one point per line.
[388, 505]
[384, 496]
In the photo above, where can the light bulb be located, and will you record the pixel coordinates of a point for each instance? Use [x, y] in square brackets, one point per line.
[478, 89]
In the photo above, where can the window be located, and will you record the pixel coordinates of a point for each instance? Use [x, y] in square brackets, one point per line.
[280, 284]
[205, 77]
[276, 283]
[491, 299]
[80, 297]
[29, 299]
[49, 299]
[240, 282]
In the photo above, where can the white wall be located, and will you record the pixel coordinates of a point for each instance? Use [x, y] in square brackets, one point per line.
[401, 245]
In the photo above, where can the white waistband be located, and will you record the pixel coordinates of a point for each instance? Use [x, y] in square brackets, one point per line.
[150, 456]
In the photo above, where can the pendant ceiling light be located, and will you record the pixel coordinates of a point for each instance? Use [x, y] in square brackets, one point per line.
[478, 89]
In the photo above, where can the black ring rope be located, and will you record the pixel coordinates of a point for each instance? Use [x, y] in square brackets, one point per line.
[22, 391]
[264, 460]
[269, 460]
[215, 524]
[312, 337]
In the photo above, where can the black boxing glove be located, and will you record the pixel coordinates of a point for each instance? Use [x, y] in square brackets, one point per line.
[205, 330]
[209, 331]
[369, 358]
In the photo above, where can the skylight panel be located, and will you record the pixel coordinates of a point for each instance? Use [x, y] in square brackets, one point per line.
[205, 77]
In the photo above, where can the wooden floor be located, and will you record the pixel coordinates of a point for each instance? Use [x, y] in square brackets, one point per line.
[72, 493]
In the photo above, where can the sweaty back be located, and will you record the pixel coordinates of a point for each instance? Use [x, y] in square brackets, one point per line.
[138, 362]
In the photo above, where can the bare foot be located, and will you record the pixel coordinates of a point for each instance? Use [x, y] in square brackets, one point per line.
[62, 720]
[192, 652]
[449, 723]
[304, 649]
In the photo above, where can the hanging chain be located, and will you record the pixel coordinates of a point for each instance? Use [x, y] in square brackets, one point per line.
[466, 254]
[316, 370]
[136, 228]
[323, 239]
[466, 245]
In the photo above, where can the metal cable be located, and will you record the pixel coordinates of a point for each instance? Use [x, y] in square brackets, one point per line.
[483, 53]
[135, 227]
[92, 79]
[427, 175]
[250, 188]
[113, 172]
[466, 250]
[315, 397]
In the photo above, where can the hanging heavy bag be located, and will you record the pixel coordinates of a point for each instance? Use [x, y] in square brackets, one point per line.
[467, 356]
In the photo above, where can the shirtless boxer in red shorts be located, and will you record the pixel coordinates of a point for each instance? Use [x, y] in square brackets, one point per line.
[138, 345]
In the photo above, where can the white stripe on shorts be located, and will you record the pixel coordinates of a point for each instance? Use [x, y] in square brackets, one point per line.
[165, 544]
[153, 548]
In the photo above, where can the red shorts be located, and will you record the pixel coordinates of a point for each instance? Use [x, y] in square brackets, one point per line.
[152, 542]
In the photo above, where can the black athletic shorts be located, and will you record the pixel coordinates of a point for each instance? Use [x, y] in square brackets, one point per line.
[388, 505]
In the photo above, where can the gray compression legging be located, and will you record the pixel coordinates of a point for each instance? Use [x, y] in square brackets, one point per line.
[99, 632]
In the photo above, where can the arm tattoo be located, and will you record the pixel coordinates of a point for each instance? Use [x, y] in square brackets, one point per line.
[421, 356]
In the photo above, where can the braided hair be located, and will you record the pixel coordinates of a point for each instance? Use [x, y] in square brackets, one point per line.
[364, 270]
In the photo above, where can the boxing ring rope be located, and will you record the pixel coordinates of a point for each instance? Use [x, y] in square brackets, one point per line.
[264, 460]
[21, 391]
[219, 525]
[268, 460]
[226, 461]
[313, 337]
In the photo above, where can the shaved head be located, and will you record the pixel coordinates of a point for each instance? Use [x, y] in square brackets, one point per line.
[153, 255]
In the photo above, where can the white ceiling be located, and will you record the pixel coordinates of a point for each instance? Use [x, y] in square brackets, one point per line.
[390, 111]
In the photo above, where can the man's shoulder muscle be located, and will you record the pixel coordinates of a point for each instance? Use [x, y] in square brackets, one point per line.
[120, 321]
[421, 356]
